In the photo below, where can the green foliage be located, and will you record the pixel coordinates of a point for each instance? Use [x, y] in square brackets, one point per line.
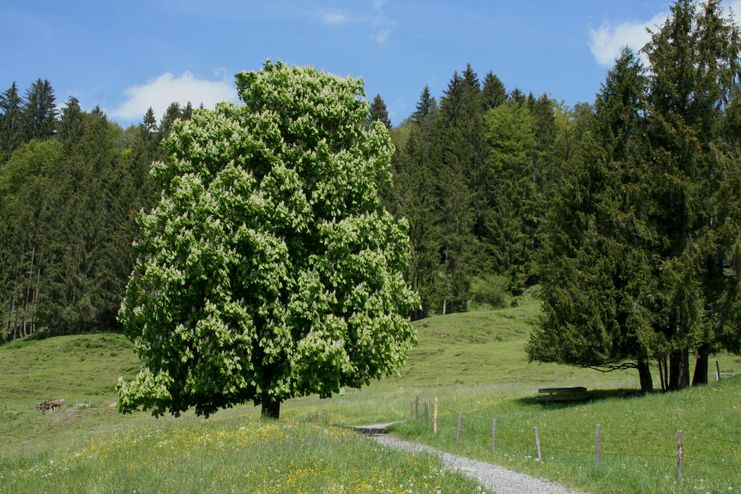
[473, 362]
[378, 112]
[594, 275]
[40, 111]
[489, 289]
[642, 238]
[269, 268]
[695, 67]
[67, 205]
[493, 93]
[11, 120]
[514, 199]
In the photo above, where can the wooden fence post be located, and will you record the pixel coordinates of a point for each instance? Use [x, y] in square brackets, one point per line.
[494, 434]
[411, 409]
[597, 447]
[434, 418]
[460, 426]
[537, 444]
[427, 412]
[717, 371]
[680, 455]
[416, 407]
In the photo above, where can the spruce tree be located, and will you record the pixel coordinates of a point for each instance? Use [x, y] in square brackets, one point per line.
[695, 73]
[513, 200]
[378, 112]
[417, 194]
[40, 111]
[425, 106]
[594, 267]
[71, 122]
[493, 93]
[459, 165]
[11, 120]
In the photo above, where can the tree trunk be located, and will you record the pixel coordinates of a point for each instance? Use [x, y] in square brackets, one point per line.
[662, 372]
[26, 300]
[679, 369]
[701, 367]
[14, 317]
[270, 408]
[644, 371]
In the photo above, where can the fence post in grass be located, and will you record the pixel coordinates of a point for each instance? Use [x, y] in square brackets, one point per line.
[680, 455]
[460, 426]
[537, 444]
[411, 409]
[717, 371]
[427, 412]
[597, 447]
[416, 407]
[434, 418]
[494, 434]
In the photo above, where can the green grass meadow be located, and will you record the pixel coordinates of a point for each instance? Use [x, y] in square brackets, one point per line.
[474, 363]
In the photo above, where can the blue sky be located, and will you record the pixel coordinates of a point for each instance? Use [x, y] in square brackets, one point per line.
[128, 55]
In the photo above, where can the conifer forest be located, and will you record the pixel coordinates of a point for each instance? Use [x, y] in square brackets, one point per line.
[625, 210]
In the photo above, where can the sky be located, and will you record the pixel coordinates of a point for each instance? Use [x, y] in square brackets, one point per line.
[126, 56]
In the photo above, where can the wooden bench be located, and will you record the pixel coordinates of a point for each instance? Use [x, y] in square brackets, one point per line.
[555, 395]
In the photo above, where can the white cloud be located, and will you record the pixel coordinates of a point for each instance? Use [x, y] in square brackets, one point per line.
[607, 41]
[159, 92]
[381, 24]
[333, 17]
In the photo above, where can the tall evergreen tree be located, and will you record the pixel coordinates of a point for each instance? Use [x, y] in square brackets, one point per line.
[40, 110]
[695, 71]
[171, 115]
[71, 123]
[513, 200]
[378, 111]
[425, 106]
[11, 120]
[149, 123]
[493, 93]
[460, 161]
[594, 269]
[417, 193]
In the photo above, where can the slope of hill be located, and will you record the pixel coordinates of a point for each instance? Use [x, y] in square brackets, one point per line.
[473, 362]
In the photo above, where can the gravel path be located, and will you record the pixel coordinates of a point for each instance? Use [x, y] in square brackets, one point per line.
[492, 477]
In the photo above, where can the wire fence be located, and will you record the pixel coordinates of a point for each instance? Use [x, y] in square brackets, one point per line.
[600, 444]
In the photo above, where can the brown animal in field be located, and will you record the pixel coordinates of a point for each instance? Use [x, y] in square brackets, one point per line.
[50, 405]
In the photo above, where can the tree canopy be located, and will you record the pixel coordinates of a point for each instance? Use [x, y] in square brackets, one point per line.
[269, 268]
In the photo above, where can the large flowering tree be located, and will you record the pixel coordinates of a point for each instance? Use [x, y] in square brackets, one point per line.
[269, 269]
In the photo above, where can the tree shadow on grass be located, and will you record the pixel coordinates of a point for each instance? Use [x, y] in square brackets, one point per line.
[581, 398]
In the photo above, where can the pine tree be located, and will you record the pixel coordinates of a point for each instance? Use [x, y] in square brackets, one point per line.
[517, 96]
[11, 120]
[378, 111]
[417, 193]
[40, 111]
[513, 199]
[425, 106]
[71, 123]
[149, 123]
[695, 65]
[459, 161]
[594, 266]
[172, 114]
[187, 112]
[493, 94]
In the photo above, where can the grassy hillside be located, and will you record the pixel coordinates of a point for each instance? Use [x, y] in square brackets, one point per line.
[473, 362]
